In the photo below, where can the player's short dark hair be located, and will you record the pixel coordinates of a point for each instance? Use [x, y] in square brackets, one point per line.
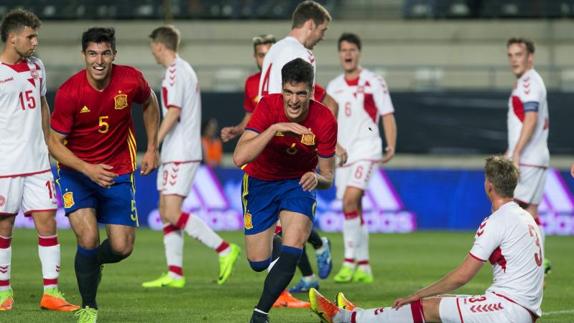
[503, 175]
[527, 42]
[298, 71]
[350, 38]
[17, 19]
[167, 35]
[309, 10]
[99, 35]
[263, 40]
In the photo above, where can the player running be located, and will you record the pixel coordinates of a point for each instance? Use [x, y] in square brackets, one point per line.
[179, 135]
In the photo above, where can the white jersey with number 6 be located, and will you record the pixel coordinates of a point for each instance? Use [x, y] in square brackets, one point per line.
[361, 103]
[281, 53]
[510, 239]
[22, 145]
[180, 90]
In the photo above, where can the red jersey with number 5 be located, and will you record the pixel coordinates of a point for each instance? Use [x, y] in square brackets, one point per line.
[22, 145]
[289, 156]
[98, 124]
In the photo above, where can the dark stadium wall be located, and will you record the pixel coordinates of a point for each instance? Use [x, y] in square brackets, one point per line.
[449, 122]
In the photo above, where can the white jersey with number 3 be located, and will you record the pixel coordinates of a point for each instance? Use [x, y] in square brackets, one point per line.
[361, 103]
[180, 90]
[510, 240]
[281, 53]
[22, 145]
[529, 94]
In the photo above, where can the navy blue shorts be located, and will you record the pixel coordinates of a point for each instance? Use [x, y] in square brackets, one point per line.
[263, 200]
[114, 205]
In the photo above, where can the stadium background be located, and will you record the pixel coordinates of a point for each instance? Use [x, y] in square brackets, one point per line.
[445, 63]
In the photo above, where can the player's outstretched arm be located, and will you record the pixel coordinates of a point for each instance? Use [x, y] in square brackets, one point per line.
[229, 133]
[390, 129]
[451, 281]
[101, 173]
[251, 143]
[150, 159]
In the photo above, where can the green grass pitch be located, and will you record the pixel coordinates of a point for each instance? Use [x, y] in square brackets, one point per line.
[402, 263]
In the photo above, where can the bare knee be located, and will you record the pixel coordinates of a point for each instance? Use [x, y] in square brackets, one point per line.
[6, 225]
[123, 245]
[45, 223]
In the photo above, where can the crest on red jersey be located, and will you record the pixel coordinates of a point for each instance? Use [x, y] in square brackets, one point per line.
[120, 101]
[308, 139]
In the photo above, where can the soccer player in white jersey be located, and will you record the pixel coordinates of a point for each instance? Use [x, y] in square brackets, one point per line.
[363, 97]
[309, 22]
[528, 128]
[180, 158]
[509, 239]
[26, 180]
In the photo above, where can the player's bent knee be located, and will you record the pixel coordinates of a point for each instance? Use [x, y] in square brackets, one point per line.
[259, 266]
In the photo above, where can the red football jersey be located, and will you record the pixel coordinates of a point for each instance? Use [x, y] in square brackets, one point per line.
[98, 124]
[251, 95]
[288, 156]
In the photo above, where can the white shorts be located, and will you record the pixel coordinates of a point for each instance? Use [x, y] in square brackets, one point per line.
[176, 178]
[356, 175]
[30, 193]
[488, 308]
[531, 183]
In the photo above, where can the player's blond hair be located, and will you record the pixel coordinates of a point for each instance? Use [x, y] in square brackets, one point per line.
[503, 175]
[167, 35]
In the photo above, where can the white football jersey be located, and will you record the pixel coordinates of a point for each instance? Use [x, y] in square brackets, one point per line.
[361, 103]
[180, 89]
[529, 94]
[22, 145]
[510, 239]
[281, 53]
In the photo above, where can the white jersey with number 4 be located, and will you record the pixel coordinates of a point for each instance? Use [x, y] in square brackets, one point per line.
[281, 53]
[361, 103]
[510, 239]
[529, 94]
[23, 149]
[180, 90]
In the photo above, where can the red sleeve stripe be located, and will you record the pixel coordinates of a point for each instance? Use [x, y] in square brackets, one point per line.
[475, 257]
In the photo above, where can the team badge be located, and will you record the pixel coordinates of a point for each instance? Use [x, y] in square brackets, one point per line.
[247, 222]
[308, 139]
[68, 198]
[120, 101]
[35, 74]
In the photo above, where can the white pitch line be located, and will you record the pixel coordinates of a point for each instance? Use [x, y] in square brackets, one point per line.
[558, 312]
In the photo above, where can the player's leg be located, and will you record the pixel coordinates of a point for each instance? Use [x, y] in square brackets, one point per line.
[308, 279]
[322, 248]
[88, 268]
[39, 201]
[6, 226]
[363, 273]
[352, 233]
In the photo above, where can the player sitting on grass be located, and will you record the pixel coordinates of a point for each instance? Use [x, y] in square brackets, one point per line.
[509, 238]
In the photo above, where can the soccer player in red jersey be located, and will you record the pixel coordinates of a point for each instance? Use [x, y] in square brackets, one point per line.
[26, 181]
[93, 140]
[287, 138]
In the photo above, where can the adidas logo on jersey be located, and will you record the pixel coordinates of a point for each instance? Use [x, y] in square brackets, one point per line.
[85, 109]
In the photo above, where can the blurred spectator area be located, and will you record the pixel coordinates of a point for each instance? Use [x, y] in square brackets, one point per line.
[281, 9]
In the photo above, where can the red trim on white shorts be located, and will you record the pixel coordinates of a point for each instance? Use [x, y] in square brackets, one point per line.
[26, 174]
[475, 257]
[182, 162]
[7, 214]
[532, 314]
[459, 311]
[28, 213]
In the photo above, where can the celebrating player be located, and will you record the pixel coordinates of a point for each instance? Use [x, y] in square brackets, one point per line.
[363, 97]
[528, 127]
[287, 137]
[25, 177]
[509, 238]
[179, 134]
[93, 140]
